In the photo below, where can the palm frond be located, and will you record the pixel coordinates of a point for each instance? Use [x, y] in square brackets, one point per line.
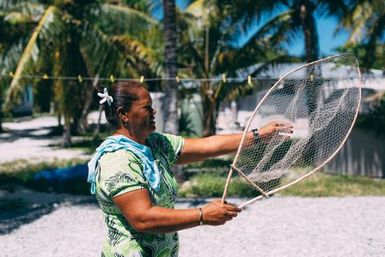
[356, 20]
[141, 58]
[99, 48]
[143, 6]
[280, 28]
[8, 5]
[124, 20]
[47, 23]
[10, 57]
[283, 58]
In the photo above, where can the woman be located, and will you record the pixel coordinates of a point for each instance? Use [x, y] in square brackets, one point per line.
[132, 179]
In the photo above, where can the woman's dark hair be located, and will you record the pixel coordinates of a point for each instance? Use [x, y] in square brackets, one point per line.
[123, 94]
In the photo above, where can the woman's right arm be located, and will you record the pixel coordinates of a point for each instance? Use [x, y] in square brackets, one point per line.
[144, 217]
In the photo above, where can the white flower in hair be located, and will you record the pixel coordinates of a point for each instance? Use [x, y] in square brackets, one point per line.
[105, 97]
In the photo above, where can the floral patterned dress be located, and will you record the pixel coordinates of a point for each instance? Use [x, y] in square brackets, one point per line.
[120, 172]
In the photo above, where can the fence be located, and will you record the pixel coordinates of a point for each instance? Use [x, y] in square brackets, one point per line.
[363, 154]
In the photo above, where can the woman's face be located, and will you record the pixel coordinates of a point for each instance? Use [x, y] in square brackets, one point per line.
[141, 117]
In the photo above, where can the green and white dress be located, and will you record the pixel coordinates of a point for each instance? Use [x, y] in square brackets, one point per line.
[120, 172]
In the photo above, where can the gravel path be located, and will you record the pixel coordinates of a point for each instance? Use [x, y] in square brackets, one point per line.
[280, 226]
[29, 138]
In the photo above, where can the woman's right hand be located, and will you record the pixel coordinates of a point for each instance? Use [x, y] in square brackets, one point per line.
[217, 213]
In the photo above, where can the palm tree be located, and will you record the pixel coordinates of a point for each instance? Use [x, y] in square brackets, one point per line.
[208, 49]
[366, 22]
[92, 38]
[292, 19]
[170, 67]
[13, 30]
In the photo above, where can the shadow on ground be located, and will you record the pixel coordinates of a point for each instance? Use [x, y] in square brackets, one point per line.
[40, 133]
[20, 205]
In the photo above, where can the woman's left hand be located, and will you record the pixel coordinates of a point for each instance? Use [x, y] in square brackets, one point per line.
[273, 128]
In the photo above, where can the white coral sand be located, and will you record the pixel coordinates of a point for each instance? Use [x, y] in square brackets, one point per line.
[280, 226]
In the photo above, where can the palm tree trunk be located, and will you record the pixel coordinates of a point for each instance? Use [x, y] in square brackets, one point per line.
[312, 52]
[1, 116]
[97, 130]
[310, 33]
[209, 123]
[170, 86]
[83, 122]
[67, 131]
[313, 73]
[209, 109]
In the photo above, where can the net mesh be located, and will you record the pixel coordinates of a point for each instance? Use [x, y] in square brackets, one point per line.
[321, 101]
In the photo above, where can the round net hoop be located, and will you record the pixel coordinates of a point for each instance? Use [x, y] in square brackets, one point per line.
[321, 100]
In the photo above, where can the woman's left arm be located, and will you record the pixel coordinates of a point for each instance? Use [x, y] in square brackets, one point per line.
[198, 149]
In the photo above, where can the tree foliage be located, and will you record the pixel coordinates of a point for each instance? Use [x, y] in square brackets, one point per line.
[79, 38]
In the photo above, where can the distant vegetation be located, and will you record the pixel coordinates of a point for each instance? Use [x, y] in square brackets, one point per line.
[203, 179]
[43, 40]
[318, 185]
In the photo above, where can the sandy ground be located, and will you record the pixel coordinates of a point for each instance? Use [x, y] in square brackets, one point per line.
[28, 139]
[280, 226]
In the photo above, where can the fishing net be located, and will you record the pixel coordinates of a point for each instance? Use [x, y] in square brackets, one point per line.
[321, 100]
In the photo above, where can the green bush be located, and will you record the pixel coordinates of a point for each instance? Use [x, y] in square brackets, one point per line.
[212, 185]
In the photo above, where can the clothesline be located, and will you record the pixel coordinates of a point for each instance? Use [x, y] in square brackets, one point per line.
[112, 78]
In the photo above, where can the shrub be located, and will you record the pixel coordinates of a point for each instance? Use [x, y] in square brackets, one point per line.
[212, 185]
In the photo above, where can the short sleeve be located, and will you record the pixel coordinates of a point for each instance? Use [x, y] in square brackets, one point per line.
[120, 172]
[167, 145]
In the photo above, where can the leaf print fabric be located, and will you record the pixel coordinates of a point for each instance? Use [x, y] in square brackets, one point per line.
[120, 172]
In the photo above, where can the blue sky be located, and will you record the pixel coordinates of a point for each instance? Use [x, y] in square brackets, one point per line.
[327, 40]
[326, 27]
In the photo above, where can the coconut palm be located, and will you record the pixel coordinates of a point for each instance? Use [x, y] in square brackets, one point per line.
[208, 48]
[13, 31]
[292, 19]
[92, 39]
[366, 22]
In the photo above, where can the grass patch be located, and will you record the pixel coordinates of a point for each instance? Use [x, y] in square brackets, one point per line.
[216, 166]
[319, 185]
[212, 185]
[327, 185]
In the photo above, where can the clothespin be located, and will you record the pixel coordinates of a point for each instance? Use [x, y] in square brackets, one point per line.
[45, 76]
[112, 78]
[311, 77]
[141, 79]
[80, 78]
[249, 80]
[177, 79]
[224, 78]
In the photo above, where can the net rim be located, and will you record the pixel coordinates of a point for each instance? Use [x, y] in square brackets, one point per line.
[276, 84]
